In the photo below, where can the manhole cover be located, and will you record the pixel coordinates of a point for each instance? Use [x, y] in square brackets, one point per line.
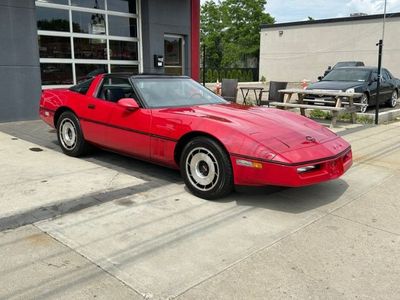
[36, 149]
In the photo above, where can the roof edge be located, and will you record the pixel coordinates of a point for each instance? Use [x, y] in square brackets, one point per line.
[331, 20]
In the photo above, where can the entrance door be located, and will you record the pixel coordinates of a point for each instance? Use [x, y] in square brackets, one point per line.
[174, 46]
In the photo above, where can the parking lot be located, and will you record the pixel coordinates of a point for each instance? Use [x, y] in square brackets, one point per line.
[112, 227]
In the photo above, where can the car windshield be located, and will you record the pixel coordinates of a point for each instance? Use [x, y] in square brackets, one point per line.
[174, 92]
[348, 75]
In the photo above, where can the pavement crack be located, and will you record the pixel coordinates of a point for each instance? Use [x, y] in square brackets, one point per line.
[89, 260]
[367, 225]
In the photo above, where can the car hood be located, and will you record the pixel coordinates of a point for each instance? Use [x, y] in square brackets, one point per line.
[276, 129]
[334, 85]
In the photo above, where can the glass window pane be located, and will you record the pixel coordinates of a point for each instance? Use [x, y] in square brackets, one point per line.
[123, 50]
[82, 87]
[173, 51]
[56, 74]
[52, 19]
[54, 47]
[124, 69]
[91, 23]
[126, 6]
[65, 2]
[85, 71]
[89, 3]
[90, 48]
[122, 26]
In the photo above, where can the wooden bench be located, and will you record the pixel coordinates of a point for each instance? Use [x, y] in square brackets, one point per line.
[339, 104]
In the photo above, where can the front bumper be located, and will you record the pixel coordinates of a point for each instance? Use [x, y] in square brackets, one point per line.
[290, 175]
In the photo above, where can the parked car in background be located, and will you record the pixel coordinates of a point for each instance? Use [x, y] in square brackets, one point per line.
[360, 80]
[341, 65]
[176, 122]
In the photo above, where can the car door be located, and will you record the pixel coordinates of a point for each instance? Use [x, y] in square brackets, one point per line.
[387, 85]
[95, 113]
[128, 131]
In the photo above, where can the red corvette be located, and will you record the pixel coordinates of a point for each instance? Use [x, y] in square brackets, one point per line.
[176, 122]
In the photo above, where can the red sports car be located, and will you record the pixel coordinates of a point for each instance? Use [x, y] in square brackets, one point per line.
[176, 122]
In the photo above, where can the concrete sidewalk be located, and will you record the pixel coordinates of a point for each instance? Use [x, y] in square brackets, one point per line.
[111, 227]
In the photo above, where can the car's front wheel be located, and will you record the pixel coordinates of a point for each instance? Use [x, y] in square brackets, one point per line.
[393, 100]
[364, 101]
[70, 136]
[206, 169]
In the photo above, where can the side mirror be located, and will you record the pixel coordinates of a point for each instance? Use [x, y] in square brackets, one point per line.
[320, 78]
[129, 104]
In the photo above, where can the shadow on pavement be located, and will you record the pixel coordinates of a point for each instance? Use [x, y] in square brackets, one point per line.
[291, 200]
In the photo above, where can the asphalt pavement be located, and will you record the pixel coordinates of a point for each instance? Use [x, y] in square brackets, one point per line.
[112, 227]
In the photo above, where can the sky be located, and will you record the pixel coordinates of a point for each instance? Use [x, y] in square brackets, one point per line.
[299, 10]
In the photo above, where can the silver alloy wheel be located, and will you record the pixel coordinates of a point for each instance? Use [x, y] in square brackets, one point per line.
[202, 169]
[364, 102]
[394, 98]
[67, 133]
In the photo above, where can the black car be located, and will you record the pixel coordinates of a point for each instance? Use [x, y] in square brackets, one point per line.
[361, 80]
[342, 64]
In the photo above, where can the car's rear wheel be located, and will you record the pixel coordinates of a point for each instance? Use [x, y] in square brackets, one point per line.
[206, 169]
[70, 136]
[393, 100]
[364, 101]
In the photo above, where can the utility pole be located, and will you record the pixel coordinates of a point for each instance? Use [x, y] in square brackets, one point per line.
[204, 64]
[378, 86]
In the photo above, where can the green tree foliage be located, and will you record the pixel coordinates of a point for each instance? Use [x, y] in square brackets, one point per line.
[230, 29]
[215, 75]
[240, 75]
[209, 75]
[222, 75]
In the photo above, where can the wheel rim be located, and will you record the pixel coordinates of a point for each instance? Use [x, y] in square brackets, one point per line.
[67, 134]
[202, 169]
[394, 98]
[364, 102]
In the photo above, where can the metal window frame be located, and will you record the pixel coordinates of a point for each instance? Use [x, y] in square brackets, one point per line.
[70, 8]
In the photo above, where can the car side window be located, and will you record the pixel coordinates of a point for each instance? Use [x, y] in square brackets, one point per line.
[82, 87]
[374, 76]
[385, 75]
[113, 89]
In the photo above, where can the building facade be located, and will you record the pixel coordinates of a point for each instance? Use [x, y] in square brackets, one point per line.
[57, 43]
[303, 50]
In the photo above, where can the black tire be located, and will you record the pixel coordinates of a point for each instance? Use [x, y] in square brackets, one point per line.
[70, 136]
[206, 169]
[392, 102]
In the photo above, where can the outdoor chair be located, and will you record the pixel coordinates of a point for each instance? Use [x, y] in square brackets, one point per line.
[273, 92]
[229, 89]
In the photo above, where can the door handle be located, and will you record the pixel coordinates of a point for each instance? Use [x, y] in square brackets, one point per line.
[91, 106]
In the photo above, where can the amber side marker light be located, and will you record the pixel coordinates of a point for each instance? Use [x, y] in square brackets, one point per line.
[248, 163]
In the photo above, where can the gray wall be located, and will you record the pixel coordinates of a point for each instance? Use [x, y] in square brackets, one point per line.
[305, 51]
[161, 17]
[20, 83]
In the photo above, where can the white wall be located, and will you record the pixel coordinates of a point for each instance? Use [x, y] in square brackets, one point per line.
[305, 51]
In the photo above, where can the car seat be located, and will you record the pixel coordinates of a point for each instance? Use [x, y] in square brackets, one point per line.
[114, 94]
